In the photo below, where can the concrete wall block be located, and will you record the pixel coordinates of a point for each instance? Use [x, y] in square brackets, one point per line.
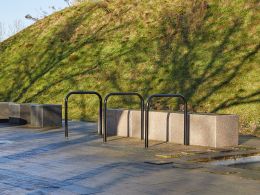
[130, 121]
[4, 110]
[15, 114]
[46, 115]
[20, 113]
[227, 130]
[14, 110]
[158, 125]
[118, 122]
[52, 115]
[36, 116]
[111, 122]
[202, 130]
[176, 125]
[25, 112]
[135, 124]
[211, 130]
[123, 123]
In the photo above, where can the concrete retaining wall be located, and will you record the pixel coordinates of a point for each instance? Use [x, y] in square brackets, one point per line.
[212, 130]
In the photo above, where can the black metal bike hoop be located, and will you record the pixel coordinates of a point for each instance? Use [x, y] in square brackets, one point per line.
[82, 93]
[123, 94]
[186, 122]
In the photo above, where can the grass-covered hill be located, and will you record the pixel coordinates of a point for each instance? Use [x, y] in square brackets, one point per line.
[206, 50]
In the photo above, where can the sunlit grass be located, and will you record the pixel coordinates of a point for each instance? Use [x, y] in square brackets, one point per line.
[207, 51]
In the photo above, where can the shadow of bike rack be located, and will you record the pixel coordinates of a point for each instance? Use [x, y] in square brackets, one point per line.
[186, 125]
[82, 93]
[123, 94]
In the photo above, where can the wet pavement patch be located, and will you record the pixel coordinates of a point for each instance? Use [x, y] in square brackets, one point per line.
[250, 162]
[223, 156]
[187, 166]
[240, 159]
[158, 162]
[251, 166]
[222, 172]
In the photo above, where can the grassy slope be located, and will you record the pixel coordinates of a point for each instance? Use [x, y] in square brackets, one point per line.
[207, 51]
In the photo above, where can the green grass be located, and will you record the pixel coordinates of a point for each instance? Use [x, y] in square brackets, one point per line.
[208, 52]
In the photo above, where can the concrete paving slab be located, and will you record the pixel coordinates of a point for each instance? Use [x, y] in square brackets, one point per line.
[44, 162]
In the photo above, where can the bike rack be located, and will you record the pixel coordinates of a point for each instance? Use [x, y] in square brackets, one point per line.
[82, 93]
[123, 94]
[186, 125]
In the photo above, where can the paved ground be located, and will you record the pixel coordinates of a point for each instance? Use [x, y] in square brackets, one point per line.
[44, 162]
